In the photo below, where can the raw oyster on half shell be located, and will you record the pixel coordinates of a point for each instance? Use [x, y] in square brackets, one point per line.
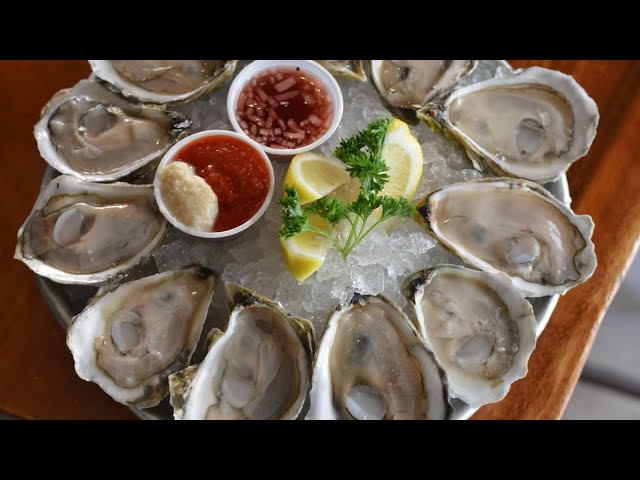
[372, 364]
[514, 227]
[89, 233]
[93, 134]
[479, 327]
[531, 123]
[259, 368]
[407, 85]
[131, 339]
[164, 81]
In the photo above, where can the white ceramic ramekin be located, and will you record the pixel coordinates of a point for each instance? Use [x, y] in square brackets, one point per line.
[169, 157]
[315, 69]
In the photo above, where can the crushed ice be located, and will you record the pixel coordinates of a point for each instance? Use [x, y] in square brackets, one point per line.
[253, 259]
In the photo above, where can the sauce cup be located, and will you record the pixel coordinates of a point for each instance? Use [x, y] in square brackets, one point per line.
[170, 156]
[316, 70]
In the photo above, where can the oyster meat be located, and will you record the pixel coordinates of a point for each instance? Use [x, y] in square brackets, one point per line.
[479, 327]
[164, 81]
[372, 364]
[131, 339]
[515, 227]
[259, 368]
[89, 233]
[531, 123]
[349, 69]
[96, 135]
[407, 85]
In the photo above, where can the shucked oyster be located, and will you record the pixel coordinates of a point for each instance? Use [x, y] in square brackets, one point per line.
[88, 233]
[164, 81]
[515, 227]
[259, 368]
[531, 123]
[349, 69]
[479, 327]
[407, 85]
[129, 340]
[372, 364]
[93, 134]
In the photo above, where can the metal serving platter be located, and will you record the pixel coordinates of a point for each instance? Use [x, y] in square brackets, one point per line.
[66, 301]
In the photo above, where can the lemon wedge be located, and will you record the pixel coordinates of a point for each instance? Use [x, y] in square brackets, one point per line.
[305, 253]
[315, 175]
[347, 192]
[403, 154]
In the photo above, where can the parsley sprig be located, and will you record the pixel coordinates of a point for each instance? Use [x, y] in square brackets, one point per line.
[362, 155]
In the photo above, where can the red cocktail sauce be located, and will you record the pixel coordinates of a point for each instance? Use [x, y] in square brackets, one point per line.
[235, 171]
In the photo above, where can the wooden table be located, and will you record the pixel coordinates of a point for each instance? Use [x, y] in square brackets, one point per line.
[37, 379]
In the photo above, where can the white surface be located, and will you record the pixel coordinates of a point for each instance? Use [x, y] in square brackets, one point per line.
[617, 346]
[614, 359]
[595, 402]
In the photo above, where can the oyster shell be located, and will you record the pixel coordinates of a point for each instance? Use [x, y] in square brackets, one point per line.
[372, 364]
[349, 69]
[164, 81]
[93, 134]
[531, 123]
[515, 227]
[479, 327]
[407, 85]
[88, 233]
[259, 368]
[129, 340]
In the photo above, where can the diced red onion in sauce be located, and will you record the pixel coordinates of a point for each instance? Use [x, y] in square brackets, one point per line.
[284, 108]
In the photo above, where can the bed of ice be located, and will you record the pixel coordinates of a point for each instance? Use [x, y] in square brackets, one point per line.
[253, 259]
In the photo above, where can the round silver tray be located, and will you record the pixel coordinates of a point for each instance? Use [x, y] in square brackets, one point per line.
[66, 301]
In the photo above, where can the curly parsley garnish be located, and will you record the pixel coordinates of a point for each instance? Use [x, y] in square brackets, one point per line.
[362, 157]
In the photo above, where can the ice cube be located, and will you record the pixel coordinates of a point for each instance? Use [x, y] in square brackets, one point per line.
[368, 280]
[172, 255]
[380, 264]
